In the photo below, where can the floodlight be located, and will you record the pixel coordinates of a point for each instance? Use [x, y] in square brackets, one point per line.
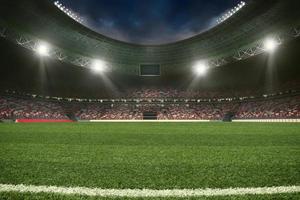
[270, 44]
[99, 66]
[200, 68]
[42, 49]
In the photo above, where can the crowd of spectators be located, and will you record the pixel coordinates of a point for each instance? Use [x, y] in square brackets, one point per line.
[164, 111]
[270, 109]
[90, 112]
[165, 93]
[169, 92]
[263, 108]
[109, 112]
[287, 107]
[18, 108]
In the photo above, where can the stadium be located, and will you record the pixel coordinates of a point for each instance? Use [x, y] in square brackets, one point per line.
[213, 115]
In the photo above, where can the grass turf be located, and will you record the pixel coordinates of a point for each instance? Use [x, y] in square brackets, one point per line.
[151, 155]
[42, 196]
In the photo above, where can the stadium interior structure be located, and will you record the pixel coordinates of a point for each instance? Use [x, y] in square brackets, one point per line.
[85, 117]
[54, 68]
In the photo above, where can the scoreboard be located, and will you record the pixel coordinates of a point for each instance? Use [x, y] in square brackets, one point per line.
[150, 70]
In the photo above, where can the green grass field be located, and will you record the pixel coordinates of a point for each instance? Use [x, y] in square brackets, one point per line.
[150, 155]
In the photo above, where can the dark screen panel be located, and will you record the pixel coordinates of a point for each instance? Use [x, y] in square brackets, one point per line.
[150, 70]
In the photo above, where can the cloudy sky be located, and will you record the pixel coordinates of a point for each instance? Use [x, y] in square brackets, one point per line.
[150, 21]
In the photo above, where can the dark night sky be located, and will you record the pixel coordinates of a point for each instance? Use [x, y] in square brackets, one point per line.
[150, 21]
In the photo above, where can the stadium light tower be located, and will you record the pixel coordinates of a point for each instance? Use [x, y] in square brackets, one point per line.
[99, 66]
[270, 45]
[200, 68]
[43, 49]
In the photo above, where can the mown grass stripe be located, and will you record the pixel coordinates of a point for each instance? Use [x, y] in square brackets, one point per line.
[148, 192]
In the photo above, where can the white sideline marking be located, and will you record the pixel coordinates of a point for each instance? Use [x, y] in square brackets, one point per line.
[268, 120]
[189, 121]
[147, 192]
[145, 121]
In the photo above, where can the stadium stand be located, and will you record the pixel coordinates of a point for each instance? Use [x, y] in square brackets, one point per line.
[283, 105]
[271, 109]
[15, 108]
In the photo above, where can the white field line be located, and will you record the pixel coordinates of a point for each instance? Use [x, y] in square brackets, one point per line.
[148, 192]
[268, 120]
[189, 121]
[145, 121]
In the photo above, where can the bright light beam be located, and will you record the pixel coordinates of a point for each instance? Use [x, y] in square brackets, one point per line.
[99, 66]
[200, 69]
[43, 49]
[270, 45]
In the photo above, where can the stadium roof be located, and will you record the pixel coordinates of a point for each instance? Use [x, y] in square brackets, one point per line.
[28, 22]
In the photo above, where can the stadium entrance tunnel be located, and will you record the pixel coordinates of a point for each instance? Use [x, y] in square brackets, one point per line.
[228, 117]
[150, 116]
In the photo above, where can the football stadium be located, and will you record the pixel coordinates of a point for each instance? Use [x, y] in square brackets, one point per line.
[85, 114]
